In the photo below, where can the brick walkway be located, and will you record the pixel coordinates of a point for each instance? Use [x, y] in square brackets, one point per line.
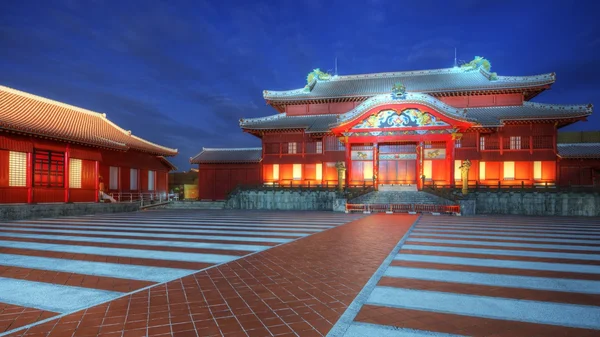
[488, 276]
[297, 289]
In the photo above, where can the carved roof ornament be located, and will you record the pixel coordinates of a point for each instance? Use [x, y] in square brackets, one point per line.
[315, 75]
[479, 62]
[398, 91]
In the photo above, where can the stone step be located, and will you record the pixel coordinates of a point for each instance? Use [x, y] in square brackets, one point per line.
[196, 205]
[400, 197]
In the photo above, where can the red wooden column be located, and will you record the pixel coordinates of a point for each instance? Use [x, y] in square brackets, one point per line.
[97, 180]
[66, 178]
[450, 160]
[29, 177]
[376, 166]
[348, 161]
[419, 165]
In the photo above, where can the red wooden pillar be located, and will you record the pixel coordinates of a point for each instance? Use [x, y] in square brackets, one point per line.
[29, 177]
[376, 166]
[419, 169]
[348, 162]
[97, 180]
[450, 160]
[67, 179]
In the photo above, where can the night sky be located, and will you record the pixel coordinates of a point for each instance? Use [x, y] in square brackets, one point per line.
[183, 75]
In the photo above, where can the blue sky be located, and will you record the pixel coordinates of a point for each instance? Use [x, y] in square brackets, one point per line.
[182, 73]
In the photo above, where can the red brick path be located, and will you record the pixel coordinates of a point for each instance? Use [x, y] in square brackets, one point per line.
[297, 289]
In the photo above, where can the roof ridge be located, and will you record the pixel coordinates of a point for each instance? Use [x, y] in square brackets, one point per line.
[51, 101]
[586, 143]
[231, 149]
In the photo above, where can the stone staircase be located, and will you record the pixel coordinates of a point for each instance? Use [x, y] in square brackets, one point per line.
[196, 205]
[400, 197]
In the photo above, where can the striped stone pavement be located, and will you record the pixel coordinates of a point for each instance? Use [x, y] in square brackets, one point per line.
[485, 276]
[53, 267]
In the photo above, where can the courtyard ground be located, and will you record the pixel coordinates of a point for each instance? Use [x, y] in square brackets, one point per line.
[251, 273]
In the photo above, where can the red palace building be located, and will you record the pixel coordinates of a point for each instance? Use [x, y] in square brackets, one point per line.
[53, 152]
[410, 128]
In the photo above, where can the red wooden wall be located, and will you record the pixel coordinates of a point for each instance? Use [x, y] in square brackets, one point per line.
[582, 172]
[215, 181]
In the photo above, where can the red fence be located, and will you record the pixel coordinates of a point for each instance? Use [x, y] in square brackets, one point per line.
[403, 208]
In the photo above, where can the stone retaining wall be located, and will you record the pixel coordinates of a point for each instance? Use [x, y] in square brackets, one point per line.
[10, 212]
[285, 200]
[532, 203]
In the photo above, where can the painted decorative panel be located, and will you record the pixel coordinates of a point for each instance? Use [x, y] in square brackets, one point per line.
[394, 119]
[397, 156]
[434, 153]
[362, 155]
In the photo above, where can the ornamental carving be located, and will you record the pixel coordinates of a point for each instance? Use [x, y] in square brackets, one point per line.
[398, 91]
[394, 119]
[480, 62]
[317, 75]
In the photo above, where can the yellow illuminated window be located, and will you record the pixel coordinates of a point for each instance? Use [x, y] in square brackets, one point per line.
[319, 173]
[509, 170]
[297, 172]
[457, 174]
[17, 168]
[74, 173]
[275, 171]
[368, 170]
[481, 170]
[427, 169]
[537, 170]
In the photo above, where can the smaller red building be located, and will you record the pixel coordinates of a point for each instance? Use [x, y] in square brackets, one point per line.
[55, 152]
[221, 170]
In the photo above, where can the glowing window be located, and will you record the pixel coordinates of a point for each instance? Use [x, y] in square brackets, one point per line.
[509, 170]
[427, 169]
[457, 174]
[151, 177]
[74, 173]
[292, 148]
[275, 171]
[482, 143]
[113, 178]
[368, 170]
[319, 173]
[17, 169]
[481, 170]
[457, 143]
[537, 170]
[297, 171]
[133, 179]
[319, 147]
[515, 143]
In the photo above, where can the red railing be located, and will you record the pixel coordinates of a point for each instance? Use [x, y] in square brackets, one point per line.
[402, 208]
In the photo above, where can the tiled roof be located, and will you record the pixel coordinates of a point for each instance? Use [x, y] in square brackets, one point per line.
[488, 116]
[27, 113]
[579, 150]
[167, 163]
[310, 123]
[493, 116]
[224, 155]
[426, 81]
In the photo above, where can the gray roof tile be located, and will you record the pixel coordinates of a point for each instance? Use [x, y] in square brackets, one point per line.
[493, 116]
[310, 123]
[425, 81]
[579, 150]
[224, 155]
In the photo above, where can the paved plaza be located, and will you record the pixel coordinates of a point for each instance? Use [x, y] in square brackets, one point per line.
[253, 273]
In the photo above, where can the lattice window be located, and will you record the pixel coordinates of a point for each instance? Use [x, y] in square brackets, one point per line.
[17, 169]
[113, 183]
[133, 179]
[482, 143]
[48, 169]
[457, 143]
[319, 147]
[75, 173]
[151, 175]
[292, 147]
[515, 142]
